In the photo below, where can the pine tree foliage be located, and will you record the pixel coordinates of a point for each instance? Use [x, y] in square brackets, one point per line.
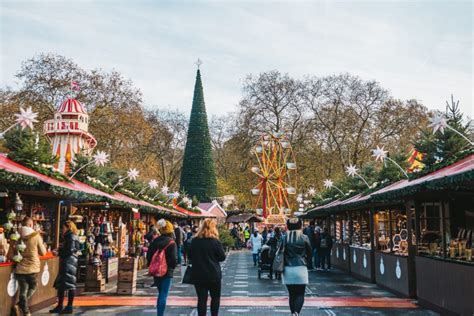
[198, 176]
[439, 147]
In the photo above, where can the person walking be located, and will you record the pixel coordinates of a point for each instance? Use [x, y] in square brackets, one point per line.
[68, 260]
[234, 232]
[179, 239]
[317, 248]
[206, 252]
[265, 235]
[256, 244]
[325, 249]
[275, 242]
[246, 234]
[27, 269]
[166, 243]
[309, 232]
[297, 253]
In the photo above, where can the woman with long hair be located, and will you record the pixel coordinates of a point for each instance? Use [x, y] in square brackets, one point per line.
[297, 254]
[206, 253]
[66, 279]
[165, 242]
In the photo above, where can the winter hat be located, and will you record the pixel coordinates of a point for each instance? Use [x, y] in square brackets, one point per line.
[165, 227]
[294, 223]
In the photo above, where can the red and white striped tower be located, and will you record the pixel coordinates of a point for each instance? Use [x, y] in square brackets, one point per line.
[68, 133]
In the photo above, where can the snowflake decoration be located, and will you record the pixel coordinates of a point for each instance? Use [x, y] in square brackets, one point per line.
[352, 170]
[26, 118]
[132, 174]
[379, 153]
[164, 190]
[312, 191]
[438, 122]
[153, 184]
[101, 158]
[175, 194]
[328, 183]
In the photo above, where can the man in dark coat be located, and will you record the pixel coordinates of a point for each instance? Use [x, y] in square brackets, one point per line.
[325, 249]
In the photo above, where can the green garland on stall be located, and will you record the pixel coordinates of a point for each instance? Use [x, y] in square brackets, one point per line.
[17, 178]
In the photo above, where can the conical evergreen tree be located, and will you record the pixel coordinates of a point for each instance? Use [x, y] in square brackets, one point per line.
[198, 177]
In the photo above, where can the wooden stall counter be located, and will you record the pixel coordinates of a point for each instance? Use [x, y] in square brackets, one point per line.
[362, 263]
[340, 256]
[395, 273]
[45, 294]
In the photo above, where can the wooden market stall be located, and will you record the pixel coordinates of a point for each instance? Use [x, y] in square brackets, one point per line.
[50, 201]
[442, 213]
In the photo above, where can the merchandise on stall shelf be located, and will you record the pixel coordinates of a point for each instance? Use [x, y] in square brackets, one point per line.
[360, 229]
[458, 233]
[391, 234]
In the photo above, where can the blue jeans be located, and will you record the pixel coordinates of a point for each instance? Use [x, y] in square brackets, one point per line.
[255, 258]
[317, 261]
[163, 285]
[179, 251]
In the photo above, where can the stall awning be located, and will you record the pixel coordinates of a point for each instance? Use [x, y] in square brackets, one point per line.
[243, 218]
[75, 185]
[189, 213]
[450, 177]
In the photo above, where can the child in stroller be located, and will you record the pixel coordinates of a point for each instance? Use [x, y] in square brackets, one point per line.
[265, 262]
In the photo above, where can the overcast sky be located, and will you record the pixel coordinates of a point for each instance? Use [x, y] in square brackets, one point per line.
[421, 50]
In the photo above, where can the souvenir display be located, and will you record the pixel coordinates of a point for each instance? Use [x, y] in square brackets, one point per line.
[391, 232]
[361, 229]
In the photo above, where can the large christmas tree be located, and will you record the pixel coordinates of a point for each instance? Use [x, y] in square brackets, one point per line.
[198, 177]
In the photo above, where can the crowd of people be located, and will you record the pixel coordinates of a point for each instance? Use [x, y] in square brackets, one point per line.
[198, 248]
[304, 250]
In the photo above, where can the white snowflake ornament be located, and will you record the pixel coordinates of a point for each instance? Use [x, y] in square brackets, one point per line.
[352, 170]
[101, 158]
[153, 184]
[26, 118]
[379, 153]
[132, 174]
[438, 122]
[328, 183]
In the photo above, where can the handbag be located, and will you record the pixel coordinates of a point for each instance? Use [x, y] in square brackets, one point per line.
[187, 278]
[279, 261]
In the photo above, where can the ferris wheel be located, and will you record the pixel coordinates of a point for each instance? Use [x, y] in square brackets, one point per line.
[276, 172]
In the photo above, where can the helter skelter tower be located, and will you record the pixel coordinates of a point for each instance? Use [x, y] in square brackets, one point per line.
[276, 172]
[69, 133]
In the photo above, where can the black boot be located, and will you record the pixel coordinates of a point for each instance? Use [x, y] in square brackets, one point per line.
[58, 309]
[67, 310]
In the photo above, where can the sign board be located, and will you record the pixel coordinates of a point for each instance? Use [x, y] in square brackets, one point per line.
[112, 267]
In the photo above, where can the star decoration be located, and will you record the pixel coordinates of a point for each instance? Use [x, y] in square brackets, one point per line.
[352, 170]
[312, 191]
[132, 174]
[153, 184]
[379, 153]
[328, 183]
[101, 158]
[164, 190]
[176, 194]
[299, 199]
[438, 122]
[26, 118]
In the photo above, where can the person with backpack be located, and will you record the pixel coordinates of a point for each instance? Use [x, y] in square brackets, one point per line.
[162, 260]
[206, 253]
[297, 253]
[325, 247]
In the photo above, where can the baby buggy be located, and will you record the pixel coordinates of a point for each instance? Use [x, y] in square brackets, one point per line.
[265, 262]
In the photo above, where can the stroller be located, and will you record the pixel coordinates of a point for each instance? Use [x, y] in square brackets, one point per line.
[265, 262]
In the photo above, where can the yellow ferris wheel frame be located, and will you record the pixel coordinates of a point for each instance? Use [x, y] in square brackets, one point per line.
[276, 172]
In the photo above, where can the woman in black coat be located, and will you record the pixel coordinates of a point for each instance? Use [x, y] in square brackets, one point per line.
[66, 279]
[206, 253]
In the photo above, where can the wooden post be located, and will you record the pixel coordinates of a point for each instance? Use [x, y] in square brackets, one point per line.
[443, 229]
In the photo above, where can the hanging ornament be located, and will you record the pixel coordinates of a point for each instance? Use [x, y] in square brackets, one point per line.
[352, 171]
[439, 123]
[132, 174]
[329, 184]
[381, 154]
[99, 159]
[45, 275]
[25, 119]
[12, 285]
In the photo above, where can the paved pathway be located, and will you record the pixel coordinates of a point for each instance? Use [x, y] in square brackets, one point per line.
[329, 293]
